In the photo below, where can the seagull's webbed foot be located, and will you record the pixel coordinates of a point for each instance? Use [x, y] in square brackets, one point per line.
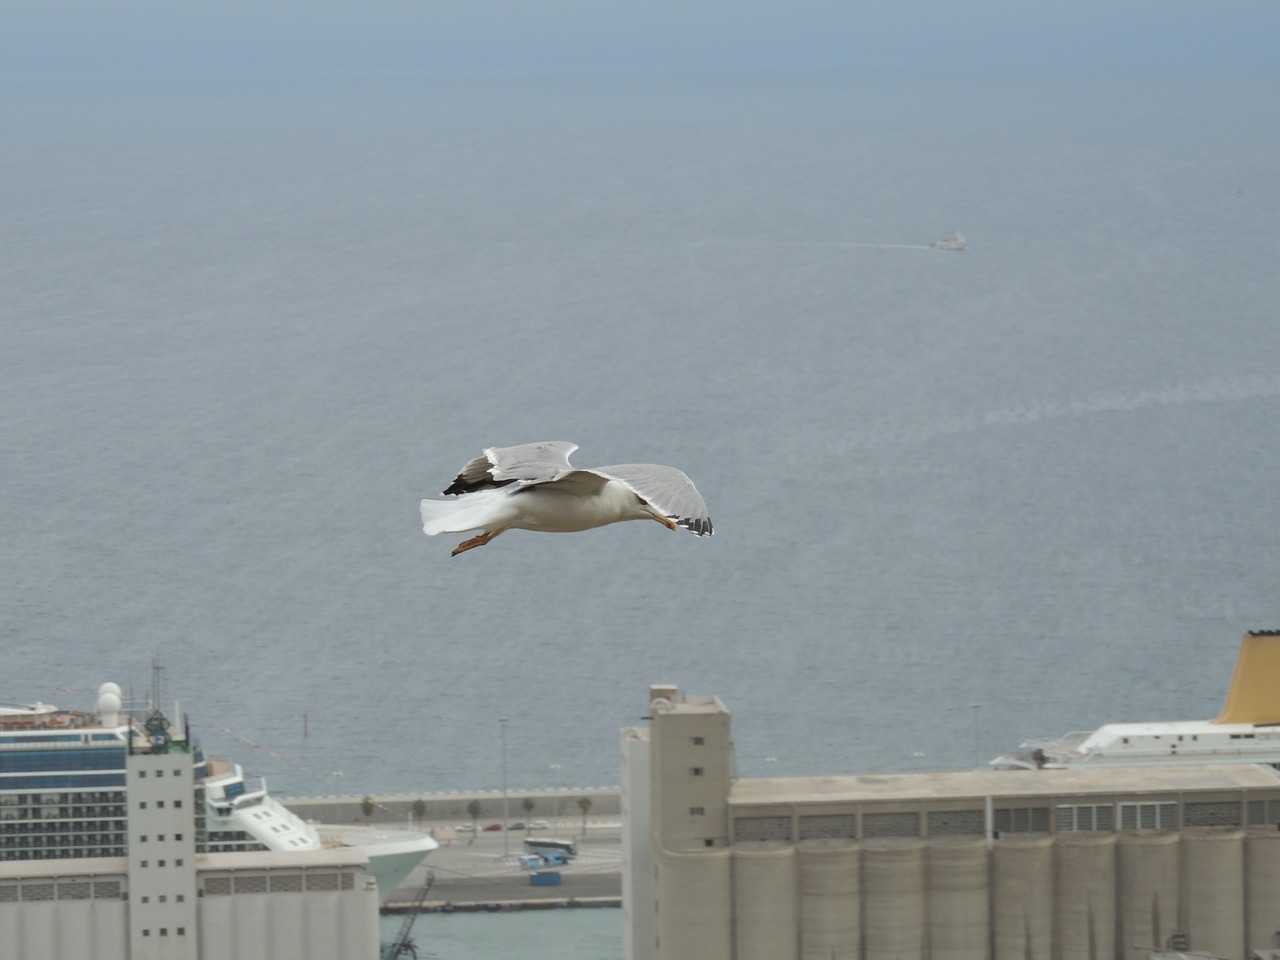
[476, 541]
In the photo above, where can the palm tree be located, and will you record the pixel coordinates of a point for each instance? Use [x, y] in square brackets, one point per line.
[584, 804]
[473, 811]
[419, 811]
[528, 805]
[366, 807]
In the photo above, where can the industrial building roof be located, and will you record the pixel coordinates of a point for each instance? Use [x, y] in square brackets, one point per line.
[965, 784]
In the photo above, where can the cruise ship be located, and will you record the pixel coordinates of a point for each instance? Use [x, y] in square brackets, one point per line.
[63, 794]
[1246, 731]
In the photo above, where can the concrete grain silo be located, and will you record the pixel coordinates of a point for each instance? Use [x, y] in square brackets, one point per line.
[893, 900]
[693, 907]
[1262, 885]
[1022, 891]
[1148, 875]
[765, 909]
[957, 900]
[1213, 889]
[830, 905]
[1085, 896]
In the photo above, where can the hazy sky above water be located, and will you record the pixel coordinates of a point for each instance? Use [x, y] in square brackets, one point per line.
[1173, 39]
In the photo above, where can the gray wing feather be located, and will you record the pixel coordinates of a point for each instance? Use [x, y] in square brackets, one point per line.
[667, 489]
[526, 463]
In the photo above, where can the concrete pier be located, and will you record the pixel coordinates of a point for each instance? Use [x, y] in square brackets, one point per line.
[471, 873]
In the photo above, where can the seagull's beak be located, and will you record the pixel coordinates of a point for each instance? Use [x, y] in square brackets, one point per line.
[665, 521]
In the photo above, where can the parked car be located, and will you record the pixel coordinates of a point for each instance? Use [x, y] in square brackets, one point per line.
[493, 826]
[538, 825]
[466, 827]
[515, 826]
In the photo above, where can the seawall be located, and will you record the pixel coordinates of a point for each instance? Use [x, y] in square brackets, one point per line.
[399, 808]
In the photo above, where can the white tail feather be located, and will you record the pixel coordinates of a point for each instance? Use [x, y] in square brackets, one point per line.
[475, 511]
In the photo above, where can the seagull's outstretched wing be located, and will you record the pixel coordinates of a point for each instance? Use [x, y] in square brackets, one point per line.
[526, 463]
[666, 489]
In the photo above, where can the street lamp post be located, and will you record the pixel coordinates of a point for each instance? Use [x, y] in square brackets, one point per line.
[977, 735]
[506, 813]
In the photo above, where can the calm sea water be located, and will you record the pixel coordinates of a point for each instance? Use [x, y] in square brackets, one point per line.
[247, 327]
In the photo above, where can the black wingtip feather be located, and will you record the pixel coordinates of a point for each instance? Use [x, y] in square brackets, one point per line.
[698, 526]
[462, 485]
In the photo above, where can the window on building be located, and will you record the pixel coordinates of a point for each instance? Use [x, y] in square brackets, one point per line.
[905, 824]
[178, 862]
[824, 826]
[1213, 814]
[697, 811]
[142, 774]
[696, 771]
[177, 804]
[956, 823]
[1021, 820]
[1076, 818]
[697, 741]
[761, 828]
[1151, 816]
[159, 773]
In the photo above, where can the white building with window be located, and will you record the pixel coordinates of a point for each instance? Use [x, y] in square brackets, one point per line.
[100, 833]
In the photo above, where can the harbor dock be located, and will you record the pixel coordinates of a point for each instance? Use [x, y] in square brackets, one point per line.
[471, 873]
[475, 870]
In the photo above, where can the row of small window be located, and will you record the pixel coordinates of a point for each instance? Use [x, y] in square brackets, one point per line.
[80, 796]
[34, 890]
[62, 853]
[160, 863]
[160, 838]
[236, 847]
[142, 774]
[142, 804]
[61, 840]
[940, 823]
[164, 931]
[61, 813]
[163, 898]
[19, 828]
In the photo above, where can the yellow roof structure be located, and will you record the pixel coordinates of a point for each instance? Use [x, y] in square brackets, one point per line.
[1254, 694]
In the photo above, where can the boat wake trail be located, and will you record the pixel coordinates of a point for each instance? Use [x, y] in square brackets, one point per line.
[886, 246]
[1217, 390]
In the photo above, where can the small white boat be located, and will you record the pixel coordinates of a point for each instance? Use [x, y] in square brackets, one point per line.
[956, 242]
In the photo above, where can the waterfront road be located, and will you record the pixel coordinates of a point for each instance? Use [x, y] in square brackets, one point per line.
[470, 872]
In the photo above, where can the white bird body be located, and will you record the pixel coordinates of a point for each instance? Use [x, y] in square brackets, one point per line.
[533, 487]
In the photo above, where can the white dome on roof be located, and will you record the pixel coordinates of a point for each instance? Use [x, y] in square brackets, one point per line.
[109, 687]
[108, 706]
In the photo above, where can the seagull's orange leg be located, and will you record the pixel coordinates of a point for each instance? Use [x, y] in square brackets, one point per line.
[476, 541]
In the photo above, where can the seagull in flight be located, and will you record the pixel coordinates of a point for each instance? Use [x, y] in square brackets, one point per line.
[533, 487]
